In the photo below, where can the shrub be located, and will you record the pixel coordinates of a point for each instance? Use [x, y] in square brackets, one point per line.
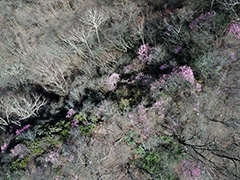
[210, 64]
[105, 110]
[19, 164]
[60, 128]
[19, 131]
[181, 78]
[83, 121]
[4, 147]
[140, 121]
[111, 82]
[125, 104]
[159, 161]
[13, 75]
[203, 21]
[19, 150]
[82, 85]
[189, 170]
[234, 29]
[144, 52]
[10, 44]
[159, 107]
[57, 160]
[158, 56]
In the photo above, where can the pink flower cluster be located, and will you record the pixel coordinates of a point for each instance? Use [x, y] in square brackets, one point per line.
[19, 150]
[111, 82]
[169, 30]
[19, 131]
[184, 72]
[187, 74]
[4, 147]
[232, 55]
[140, 120]
[178, 49]
[202, 20]
[54, 158]
[196, 107]
[234, 29]
[159, 107]
[127, 68]
[159, 84]
[144, 52]
[99, 110]
[164, 66]
[144, 79]
[70, 113]
[75, 122]
[174, 127]
[57, 160]
[139, 78]
[189, 170]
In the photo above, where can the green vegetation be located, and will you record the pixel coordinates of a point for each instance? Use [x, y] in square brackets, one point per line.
[86, 122]
[19, 164]
[159, 161]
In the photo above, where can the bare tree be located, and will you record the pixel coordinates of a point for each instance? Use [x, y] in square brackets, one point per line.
[121, 44]
[230, 5]
[25, 106]
[139, 28]
[13, 74]
[120, 37]
[125, 30]
[14, 108]
[104, 56]
[94, 17]
[72, 44]
[51, 73]
[81, 35]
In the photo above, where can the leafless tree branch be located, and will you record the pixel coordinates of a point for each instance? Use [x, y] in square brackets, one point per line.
[94, 17]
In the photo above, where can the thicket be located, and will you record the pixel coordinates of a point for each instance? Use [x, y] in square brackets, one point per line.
[117, 89]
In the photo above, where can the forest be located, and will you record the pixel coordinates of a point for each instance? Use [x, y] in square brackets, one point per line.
[119, 89]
